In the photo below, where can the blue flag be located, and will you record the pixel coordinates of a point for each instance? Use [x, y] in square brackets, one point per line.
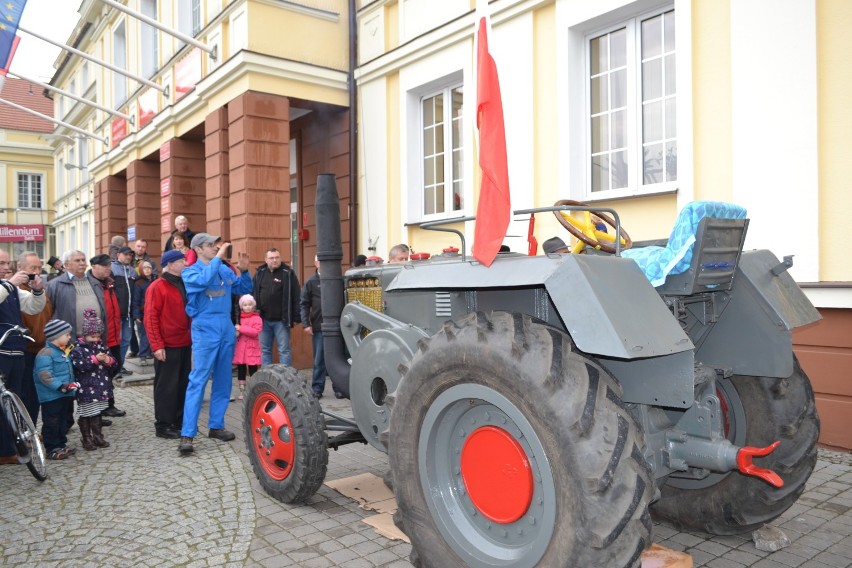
[10, 17]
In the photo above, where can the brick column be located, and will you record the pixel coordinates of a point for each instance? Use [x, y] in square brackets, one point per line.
[259, 162]
[110, 210]
[216, 172]
[182, 185]
[143, 203]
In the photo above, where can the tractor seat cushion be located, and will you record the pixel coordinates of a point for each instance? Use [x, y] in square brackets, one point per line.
[675, 258]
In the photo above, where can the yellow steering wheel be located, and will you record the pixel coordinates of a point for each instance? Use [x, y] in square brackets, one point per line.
[586, 232]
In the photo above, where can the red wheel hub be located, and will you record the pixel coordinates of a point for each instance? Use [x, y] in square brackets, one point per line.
[497, 474]
[272, 435]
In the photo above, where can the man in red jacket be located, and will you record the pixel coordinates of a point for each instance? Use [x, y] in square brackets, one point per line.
[168, 328]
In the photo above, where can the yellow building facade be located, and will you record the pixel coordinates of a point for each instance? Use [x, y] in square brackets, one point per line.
[642, 106]
[228, 125]
[26, 172]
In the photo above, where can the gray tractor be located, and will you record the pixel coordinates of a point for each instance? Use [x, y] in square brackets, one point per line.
[538, 412]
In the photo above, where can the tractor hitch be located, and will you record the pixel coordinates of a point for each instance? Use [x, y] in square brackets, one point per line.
[688, 453]
[745, 465]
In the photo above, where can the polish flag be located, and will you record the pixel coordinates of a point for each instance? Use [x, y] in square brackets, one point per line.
[493, 212]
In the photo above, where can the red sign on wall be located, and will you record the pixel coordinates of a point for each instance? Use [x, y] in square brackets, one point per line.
[165, 224]
[147, 102]
[20, 233]
[165, 206]
[165, 151]
[119, 131]
[187, 73]
[165, 187]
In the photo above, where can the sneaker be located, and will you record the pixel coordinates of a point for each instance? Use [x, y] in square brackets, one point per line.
[338, 394]
[125, 372]
[233, 398]
[317, 395]
[130, 355]
[185, 446]
[59, 454]
[144, 361]
[221, 434]
[242, 394]
[105, 421]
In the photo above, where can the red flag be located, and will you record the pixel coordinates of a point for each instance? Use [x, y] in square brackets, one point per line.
[493, 211]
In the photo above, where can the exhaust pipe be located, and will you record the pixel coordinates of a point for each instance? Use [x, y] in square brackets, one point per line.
[330, 254]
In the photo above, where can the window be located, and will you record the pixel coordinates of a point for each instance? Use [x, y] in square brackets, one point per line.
[29, 191]
[119, 59]
[149, 45]
[82, 152]
[632, 103]
[441, 120]
[60, 178]
[189, 18]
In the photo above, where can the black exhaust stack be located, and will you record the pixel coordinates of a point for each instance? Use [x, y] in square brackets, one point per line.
[330, 254]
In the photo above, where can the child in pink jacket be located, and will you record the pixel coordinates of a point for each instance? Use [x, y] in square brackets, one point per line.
[247, 350]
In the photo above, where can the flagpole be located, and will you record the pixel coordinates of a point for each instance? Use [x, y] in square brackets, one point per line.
[108, 110]
[53, 120]
[109, 66]
[155, 24]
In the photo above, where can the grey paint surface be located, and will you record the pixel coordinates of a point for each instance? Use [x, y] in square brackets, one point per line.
[606, 303]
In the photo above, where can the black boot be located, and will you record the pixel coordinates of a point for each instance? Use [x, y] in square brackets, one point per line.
[85, 425]
[97, 435]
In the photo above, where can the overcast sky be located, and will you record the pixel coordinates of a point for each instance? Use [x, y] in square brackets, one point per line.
[50, 18]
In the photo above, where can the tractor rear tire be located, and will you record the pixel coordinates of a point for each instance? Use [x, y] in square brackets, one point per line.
[568, 484]
[759, 411]
[285, 434]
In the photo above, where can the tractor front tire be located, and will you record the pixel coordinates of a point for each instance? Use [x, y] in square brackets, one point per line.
[510, 448]
[285, 434]
[758, 411]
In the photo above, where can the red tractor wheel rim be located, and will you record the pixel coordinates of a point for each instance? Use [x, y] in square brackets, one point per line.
[272, 435]
[497, 474]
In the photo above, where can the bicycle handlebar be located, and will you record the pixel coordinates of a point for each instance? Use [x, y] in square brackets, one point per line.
[15, 330]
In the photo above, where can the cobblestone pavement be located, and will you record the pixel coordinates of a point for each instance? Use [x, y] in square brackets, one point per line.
[139, 503]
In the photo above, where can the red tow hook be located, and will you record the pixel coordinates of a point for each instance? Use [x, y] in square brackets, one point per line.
[747, 467]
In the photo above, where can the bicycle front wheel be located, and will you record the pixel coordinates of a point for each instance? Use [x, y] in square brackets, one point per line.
[27, 441]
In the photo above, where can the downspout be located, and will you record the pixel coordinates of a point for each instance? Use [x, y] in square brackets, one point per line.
[353, 132]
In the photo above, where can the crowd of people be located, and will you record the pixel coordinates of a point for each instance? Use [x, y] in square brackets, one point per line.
[194, 305]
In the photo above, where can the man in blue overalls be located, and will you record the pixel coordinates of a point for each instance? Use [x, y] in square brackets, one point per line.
[209, 284]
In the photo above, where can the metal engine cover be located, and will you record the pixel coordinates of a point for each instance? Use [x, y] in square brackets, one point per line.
[375, 373]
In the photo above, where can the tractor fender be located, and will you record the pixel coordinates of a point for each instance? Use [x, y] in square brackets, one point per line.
[606, 304]
[754, 333]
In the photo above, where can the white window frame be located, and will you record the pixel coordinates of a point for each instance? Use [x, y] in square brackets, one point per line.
[449, 180]
[29, 202]
[635, 172]
[577, 23]
[119, 59]
[149, 40]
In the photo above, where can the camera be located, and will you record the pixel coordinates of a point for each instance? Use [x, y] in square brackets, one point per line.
[31, 276]
[229, 251]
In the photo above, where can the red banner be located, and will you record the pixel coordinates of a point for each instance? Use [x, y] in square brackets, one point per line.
[119, 131]
[165, 224]
[165, 205]
[187, 73]
[165, 151]
[165, 187]
[147, 102]
[19, 233]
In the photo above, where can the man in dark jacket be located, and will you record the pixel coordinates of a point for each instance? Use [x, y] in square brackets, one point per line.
[168, 329]
[311, 304]
[276, 290]
[124, 276]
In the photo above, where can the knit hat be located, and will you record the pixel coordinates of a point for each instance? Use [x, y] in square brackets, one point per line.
[51, 261]
[171, 256]
[92, 324]
[56, 328]
[246, 298]
[553, 245]
[125, 250]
